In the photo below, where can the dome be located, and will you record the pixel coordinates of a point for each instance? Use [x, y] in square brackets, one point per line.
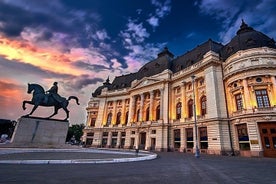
[246, 38]
[98, 91]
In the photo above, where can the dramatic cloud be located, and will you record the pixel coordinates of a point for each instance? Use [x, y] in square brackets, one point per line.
[135, 31]
[162, 9]
[232, 12]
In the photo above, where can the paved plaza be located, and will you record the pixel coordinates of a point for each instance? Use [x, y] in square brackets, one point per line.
[168, 167]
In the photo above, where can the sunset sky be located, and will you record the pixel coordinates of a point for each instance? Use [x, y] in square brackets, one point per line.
[80, 43]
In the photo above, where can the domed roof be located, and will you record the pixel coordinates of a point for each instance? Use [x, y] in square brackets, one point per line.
[98, 91]
[246, 38]
[158, 65]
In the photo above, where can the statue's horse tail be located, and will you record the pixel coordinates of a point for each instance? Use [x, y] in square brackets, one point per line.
[74, 97]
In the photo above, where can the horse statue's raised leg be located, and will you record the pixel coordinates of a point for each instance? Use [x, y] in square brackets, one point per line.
[29, 102]
[24, 104]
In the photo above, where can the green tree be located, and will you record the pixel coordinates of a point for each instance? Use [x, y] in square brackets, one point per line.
[76, 131]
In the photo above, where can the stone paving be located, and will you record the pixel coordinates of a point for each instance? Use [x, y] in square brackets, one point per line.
[167, 168]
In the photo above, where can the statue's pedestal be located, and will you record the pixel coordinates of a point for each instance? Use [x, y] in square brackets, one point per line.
[39, 132]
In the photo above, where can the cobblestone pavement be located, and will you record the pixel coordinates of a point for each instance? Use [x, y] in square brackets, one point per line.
[169, 167]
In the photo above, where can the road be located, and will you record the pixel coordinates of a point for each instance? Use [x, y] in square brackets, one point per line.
[169, 167]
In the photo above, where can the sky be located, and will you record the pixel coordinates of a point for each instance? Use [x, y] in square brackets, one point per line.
[80, 43]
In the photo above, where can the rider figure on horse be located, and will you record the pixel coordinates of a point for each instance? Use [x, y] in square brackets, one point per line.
[53, 91]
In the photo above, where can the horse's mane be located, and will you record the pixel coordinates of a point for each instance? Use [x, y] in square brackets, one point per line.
[39, 87]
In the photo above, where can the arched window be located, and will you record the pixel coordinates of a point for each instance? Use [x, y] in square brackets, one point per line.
[157, 113]
[137, 115]
[147, 114]
[126, 118]
[239, 104]
[203, 105]
[109, 118]
[190, 108]
[118, 119]
[178, 110]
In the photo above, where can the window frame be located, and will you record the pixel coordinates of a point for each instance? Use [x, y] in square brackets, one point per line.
[262, 98]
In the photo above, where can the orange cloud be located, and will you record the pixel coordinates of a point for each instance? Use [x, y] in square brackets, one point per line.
[45, 58]
[10, 92]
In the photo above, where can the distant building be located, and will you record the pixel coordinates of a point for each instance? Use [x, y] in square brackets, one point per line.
[152, 109]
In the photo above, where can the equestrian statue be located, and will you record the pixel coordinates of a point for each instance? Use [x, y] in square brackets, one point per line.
[48, 99]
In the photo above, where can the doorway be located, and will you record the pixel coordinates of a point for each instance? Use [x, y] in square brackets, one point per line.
[142, 140]
[268, 137]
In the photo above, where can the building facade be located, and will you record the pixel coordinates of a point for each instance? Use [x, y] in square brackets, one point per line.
[221, 98]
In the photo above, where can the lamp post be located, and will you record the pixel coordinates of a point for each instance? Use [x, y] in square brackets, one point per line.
[197, 154]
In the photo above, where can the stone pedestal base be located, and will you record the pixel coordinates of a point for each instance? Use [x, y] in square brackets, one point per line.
[39, 132]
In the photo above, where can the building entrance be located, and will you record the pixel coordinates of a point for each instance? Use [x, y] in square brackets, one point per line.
[142, 140]
[268, 136]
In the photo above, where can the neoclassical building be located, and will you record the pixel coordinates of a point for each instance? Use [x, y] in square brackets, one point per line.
[220, 98]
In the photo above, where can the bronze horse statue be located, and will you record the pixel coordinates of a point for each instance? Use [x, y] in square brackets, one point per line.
[38, 99]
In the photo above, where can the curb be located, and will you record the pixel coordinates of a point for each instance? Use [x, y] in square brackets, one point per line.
[142, 157]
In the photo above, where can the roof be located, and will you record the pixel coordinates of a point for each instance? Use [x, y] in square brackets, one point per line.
[195, 55]
[246, 38]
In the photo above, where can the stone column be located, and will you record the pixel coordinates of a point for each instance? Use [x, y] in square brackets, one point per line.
[131, 109]
[246, 96]
[114, 115]
[173, 105]
[105, 113]
[182, 139]
[109, 139]
[123, 116]
[151, 106]
[119, 137]
[196, 100]
[273, 91]
[137, 137]
[183, 97]
[141, 114]
[161, 103]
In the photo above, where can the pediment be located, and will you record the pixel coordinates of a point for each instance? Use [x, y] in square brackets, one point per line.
[145, 82]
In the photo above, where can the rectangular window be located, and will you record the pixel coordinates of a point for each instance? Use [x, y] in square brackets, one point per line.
[189, 138]
[262, 98]
[105, 134]
[239, 104]
[243, 137]
[114, 134]
[203, 137]
[177, 138]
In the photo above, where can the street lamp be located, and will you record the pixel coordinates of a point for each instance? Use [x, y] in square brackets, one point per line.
[197, 154]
